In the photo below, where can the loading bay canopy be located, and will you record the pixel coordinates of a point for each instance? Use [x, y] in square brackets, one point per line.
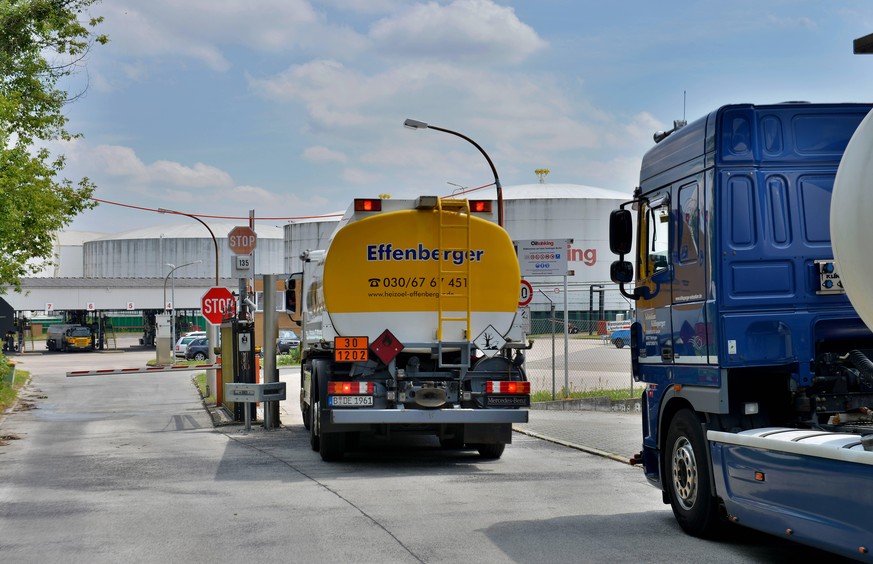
[110, 294]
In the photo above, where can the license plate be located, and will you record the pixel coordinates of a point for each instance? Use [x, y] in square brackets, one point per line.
[350, 401]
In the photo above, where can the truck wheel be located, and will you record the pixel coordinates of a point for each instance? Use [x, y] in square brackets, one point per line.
[491, 451]
[305, 409]
[687, 477]
[619, 343]
[305, 412]
[333, 446]
[314, 441]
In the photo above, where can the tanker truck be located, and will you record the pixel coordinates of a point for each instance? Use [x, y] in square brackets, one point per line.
[69, 337]
[756, 408]
[408, 325]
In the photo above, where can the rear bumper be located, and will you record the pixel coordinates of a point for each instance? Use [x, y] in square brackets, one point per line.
[425, 416]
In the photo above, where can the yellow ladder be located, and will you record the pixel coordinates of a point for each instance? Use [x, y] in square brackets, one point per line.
[454, 294]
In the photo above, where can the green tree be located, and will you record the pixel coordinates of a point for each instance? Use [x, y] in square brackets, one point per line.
[41, 42]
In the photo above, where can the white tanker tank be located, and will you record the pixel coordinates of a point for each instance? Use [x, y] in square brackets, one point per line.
[408, 322]
[852, 220]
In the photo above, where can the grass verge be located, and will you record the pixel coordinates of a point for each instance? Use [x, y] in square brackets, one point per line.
[8, 394]
[207, 395]
[620, 394]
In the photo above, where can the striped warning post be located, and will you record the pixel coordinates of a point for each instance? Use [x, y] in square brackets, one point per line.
[145, 370]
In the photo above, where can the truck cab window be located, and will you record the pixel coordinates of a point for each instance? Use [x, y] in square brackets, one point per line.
[657, 245]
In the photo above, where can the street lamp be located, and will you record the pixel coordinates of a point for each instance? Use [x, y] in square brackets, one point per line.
[211, 330]
[174, 268]
[415, 124]
[214, 240]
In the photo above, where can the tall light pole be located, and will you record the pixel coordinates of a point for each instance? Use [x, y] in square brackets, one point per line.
[211, 330]
[174, 268]
[415, 124]
[214, 240]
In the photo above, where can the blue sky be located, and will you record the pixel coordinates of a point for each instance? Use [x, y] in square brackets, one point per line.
[293, 107]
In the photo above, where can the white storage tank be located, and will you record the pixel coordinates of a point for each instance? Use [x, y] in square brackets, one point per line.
[142, 253]
[309, 234]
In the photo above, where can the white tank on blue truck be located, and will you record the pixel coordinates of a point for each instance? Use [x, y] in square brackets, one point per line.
[759, 383]
[408, 325]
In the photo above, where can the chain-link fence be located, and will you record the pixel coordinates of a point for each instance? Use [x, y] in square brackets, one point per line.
[576, 352]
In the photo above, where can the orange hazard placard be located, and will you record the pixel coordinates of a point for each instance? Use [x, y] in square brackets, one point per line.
[351, 349]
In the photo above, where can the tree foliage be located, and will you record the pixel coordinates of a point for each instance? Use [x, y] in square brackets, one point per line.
[41, 42]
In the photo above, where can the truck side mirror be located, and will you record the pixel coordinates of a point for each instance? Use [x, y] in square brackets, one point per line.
[620, 232]
[621, 272]
[291, 293]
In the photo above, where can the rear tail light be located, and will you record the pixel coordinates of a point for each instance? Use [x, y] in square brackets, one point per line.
[480, 206]
[500, 387]
[368, 204]
[349, 388]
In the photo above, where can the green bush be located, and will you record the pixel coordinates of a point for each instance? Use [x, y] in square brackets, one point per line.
[289, 359]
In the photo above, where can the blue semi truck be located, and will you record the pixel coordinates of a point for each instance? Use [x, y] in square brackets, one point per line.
[759, 381]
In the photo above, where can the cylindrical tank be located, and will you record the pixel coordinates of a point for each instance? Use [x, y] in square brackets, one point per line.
[144, 253]
[851, 224]
[417, 274]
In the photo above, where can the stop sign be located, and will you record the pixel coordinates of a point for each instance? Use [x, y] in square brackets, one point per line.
[216, 304]
[242, 240]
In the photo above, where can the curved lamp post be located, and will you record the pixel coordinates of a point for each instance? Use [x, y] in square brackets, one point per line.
[214, 240]
[174, 268]
[211, 330]
[415, 124]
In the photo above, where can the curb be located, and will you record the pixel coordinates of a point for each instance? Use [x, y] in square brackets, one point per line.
[589, 450]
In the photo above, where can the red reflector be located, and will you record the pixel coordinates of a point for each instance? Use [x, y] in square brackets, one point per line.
[480, 206]
[368, 204]
[349, 388]
[507, 387]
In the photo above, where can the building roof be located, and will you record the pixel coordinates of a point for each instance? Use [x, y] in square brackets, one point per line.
[190, 230]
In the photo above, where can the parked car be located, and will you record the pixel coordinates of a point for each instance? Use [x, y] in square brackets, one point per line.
[287, 340]
[198, 349]
[182, 344]
[194, 334]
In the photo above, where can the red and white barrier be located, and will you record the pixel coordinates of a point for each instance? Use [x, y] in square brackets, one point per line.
[147, 369]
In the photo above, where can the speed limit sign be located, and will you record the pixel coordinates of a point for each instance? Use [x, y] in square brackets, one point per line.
[526, 294]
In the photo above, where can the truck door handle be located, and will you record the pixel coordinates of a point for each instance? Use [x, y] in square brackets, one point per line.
[666, 353]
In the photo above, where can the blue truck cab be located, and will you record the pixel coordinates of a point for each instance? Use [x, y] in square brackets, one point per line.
[742, 324]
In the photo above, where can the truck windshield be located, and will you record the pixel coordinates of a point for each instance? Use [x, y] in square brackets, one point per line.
[80, 332]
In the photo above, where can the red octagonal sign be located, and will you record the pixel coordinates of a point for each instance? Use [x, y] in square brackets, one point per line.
[242, 240]
[216, 304]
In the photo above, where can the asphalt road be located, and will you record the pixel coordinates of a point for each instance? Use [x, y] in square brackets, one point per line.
[130, 469]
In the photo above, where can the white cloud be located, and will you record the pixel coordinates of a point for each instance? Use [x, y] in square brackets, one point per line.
[361, 176]
[477, 31]
[116, 160]
[323, 155]
[204, 30]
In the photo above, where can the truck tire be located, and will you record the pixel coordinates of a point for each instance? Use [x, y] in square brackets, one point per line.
[491, 451]
[314, 441]
[453, 441]
[333, 446]
[305, 409]
[618, 342]
[687, 477]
